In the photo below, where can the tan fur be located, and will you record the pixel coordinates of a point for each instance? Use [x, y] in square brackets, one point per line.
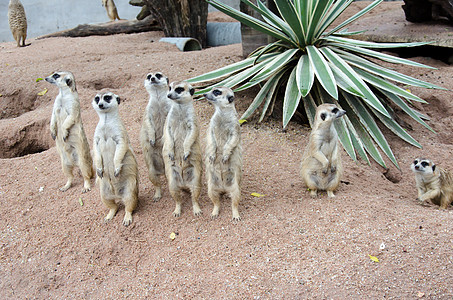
[152, 129]
[181, 151]
[223, 151]
[433, 183]
[17, 22]
[110, 7]
[66, 129]
[116, 166]
[321, 167]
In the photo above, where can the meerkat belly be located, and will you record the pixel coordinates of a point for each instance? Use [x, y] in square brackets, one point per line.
[107, 148]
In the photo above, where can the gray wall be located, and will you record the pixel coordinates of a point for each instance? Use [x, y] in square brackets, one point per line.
[47, 16]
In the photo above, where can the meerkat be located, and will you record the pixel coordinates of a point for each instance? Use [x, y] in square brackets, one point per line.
[321, 167]
[66, 129]
[110, 7]
[152, 129]
[223, 151]
[181, 150]
[433, 183]
[116, 165]
[17, 22]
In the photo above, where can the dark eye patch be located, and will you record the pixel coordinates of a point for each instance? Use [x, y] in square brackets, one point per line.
[335, 110]
[217, 92]
[149, 76]
[425, 164]
[323, 116]
[55, 76]
[179, 90]
[158, 76]
[96, 99]
[107, 98]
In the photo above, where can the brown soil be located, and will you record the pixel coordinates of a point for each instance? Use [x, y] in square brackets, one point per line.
[287, 245]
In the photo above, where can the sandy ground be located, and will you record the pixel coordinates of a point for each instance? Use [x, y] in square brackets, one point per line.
[287, 245]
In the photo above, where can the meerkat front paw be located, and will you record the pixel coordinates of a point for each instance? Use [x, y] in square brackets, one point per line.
[53, 135]
[211, 159]
[65, 135]
[225, 159]
[152, 143]
[117, 172]
[171, 156]
[333, 169]
[100, 172]
[186, 155]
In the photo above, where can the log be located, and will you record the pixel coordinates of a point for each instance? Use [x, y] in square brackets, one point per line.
[109, 28]
[418, 11]
[181, 18]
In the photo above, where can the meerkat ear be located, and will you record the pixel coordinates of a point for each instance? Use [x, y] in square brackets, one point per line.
[323, 116]
[192, 91]
[118, 99]
[168, 81]
[230, 99]
[434, 168]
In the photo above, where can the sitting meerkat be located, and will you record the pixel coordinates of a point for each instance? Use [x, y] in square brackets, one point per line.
[321, 167]
[17, 22]
[153, 128]
[181, 150]
[433, 183]
[66, 129]
[223, 151]
[116, 166]
[110, 7]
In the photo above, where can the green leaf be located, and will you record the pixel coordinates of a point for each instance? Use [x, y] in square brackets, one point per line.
[310, 108]
[250, 21]
[275, 64]
[271, 94]
[355, 17]
[288, 13]
[365, 44]
[292, 98]
[368, 122]
[319, 9]
[305, 75]
[369, 96]
[322, 71]
[335, 10]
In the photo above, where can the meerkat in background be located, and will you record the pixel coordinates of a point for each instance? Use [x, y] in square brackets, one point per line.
[321, 167]
[153, 127]
[66, 129]
[116, 166]
[433, 183]
[110, 7]
[181, 150]
[17, 21]
[223, 151]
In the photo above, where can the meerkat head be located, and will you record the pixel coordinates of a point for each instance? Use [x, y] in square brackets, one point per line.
[327, 113]
[221, 97]
[180, 92]
[106, 102]
[62, 80]
[423, 166]
[154, 80]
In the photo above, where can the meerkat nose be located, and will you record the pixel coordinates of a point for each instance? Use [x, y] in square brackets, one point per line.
[101, 106]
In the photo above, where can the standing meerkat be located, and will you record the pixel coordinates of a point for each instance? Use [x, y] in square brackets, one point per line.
[223, 151]
[66, 129]
[110, 7]
[116, 166]
[433, 183]
[17, 21]
[181, 150]
[321, 167]
[152, 129]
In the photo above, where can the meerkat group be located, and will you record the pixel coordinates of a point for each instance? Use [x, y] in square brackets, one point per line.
[170, 140]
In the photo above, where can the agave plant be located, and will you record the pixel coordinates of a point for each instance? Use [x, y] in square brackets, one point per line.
[314, 63]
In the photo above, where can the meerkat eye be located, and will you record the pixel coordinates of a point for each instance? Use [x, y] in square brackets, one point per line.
[55, 76]
[323, 116]
[335, 110]
[425, 164]
[415, 162]
[217, 92]
[96, 99]
[179, 90]
[158, 76]
[107, 98]
[149, 76]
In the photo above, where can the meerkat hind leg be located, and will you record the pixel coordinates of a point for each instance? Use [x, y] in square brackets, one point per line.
[113, 208]
[176, 195]
[235, 198]
[215, 198]
[67, 170]
[157, 186]
[195, 193]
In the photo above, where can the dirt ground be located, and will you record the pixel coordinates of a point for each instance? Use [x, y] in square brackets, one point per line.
[287, 245]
